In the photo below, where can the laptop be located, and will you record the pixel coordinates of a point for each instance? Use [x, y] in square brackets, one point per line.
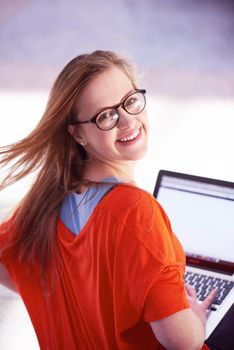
[201, 211]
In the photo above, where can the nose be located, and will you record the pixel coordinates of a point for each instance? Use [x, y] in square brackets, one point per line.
[126, 120]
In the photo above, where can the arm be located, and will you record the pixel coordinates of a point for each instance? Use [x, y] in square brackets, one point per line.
[180, 331]
[5, 279]
[184, 329]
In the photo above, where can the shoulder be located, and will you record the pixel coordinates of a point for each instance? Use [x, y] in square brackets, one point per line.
[129, 200]
[129, 195]
[140, 219]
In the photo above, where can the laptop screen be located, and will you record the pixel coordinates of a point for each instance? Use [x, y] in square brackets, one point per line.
[201, 212]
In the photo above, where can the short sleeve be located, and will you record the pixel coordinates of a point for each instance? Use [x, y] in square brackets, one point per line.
[166, 296]
[149, 266]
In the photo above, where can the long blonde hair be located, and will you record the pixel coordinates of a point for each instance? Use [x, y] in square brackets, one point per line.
[58, 158]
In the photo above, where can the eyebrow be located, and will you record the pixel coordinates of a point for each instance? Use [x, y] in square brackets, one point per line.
[113, 106]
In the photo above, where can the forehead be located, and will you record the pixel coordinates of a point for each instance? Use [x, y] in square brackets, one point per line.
[107, 89]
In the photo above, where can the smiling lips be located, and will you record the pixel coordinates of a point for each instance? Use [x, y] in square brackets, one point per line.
[131, 137]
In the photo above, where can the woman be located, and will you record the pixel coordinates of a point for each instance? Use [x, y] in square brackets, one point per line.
[93, 256]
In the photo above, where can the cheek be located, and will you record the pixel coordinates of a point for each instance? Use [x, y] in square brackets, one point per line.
[103, 137]
[99, 147]
[100, 141]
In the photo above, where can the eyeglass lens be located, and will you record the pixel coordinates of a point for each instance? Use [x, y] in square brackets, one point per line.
[134, 104]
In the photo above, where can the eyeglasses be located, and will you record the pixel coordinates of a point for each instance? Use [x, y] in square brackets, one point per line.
[107, 119]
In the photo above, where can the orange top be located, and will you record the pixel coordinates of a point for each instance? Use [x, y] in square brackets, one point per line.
[124, 269]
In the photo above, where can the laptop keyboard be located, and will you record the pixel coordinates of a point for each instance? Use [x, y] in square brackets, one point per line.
[203, 285]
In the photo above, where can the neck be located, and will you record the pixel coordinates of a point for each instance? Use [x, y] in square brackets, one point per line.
[96, 172]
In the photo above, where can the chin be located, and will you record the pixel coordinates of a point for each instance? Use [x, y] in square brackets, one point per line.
[138, 155]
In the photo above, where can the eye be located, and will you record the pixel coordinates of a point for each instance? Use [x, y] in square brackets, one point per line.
[131, 100]
[107, 116]
[104, 116]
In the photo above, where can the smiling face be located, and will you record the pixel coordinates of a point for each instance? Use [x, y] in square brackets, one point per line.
[121, 146]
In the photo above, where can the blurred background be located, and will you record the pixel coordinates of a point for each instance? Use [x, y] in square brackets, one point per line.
[184, 52]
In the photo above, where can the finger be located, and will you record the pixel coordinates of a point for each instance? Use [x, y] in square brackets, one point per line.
[209, 299]
[190, 290]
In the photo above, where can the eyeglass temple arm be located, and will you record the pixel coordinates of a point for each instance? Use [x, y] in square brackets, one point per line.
[84, 122]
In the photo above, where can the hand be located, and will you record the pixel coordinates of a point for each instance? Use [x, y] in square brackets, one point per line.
[199, 308]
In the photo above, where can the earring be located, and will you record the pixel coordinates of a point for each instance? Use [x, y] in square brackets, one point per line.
[81, 143]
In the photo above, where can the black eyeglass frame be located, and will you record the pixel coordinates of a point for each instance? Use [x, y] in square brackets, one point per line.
[121, 104]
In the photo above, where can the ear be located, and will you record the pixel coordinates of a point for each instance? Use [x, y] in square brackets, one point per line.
[74, 132]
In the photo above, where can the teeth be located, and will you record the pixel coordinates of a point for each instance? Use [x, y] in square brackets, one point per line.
[129, 138]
